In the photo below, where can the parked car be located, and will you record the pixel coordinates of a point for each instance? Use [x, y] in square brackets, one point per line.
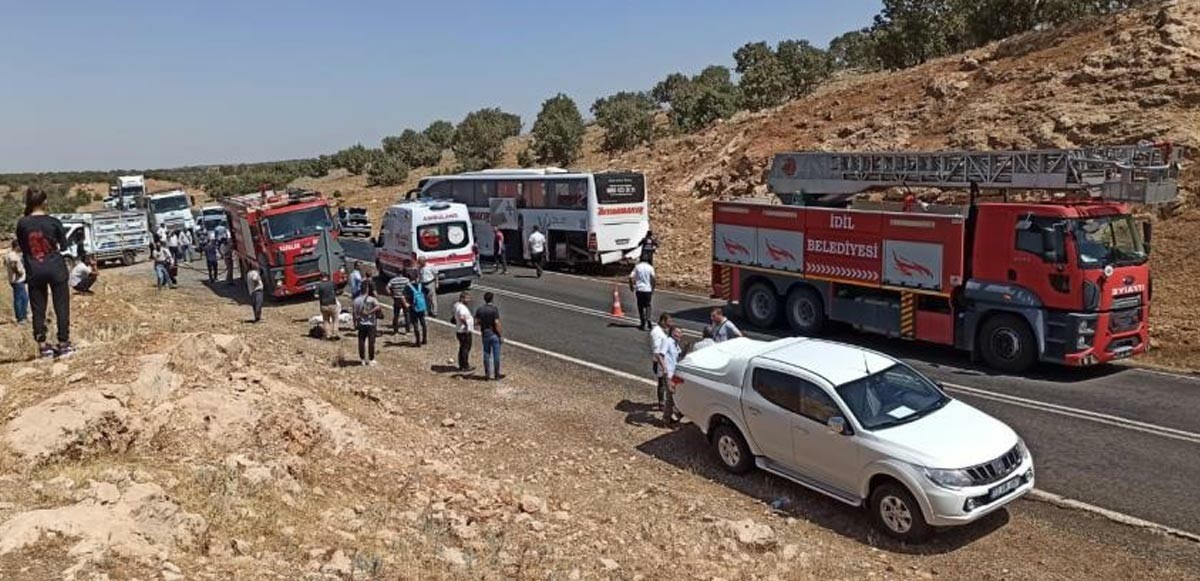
[856, 425]
[354, 221]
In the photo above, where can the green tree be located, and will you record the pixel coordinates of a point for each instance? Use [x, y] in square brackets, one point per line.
[414, 149]
[910, 32]
[627, 120]
[479, 137]
[441, 133]
[988, 20]
[751, 55]
[765, 84]
[386, 170]
[806, 65]
[558, 132]
[854, 50]
[705, 98]
[526, 157]
[666, 90]
[353, 159]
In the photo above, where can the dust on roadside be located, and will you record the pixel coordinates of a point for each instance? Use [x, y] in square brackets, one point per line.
[183, 442]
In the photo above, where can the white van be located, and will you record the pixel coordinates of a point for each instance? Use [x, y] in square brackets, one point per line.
[438, 231]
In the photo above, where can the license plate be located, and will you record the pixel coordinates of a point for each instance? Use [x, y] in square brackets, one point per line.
[1004, 488]
[1122, 354]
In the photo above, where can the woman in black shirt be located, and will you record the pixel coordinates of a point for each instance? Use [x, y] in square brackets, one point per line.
[42, 238]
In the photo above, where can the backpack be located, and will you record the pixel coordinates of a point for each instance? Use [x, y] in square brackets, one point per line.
[418, 297]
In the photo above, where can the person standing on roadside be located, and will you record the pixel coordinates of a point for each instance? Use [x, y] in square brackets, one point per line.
[173, 245]
[658, 335]
[42, 238]
[414, 296]
[327, 301]
[668, 353]
[212, 254]
[185, 245]
[162, 264]
[14, 265]
[356, 279]
[464, 324]
[537, 249]
[160, 234]
[429, 283]
[641, 282]
[254, 286]
[500, 261]
[227, 251]
[722, 328]
[395, 289]
[488, 319]
[649, 246]
[366, 312]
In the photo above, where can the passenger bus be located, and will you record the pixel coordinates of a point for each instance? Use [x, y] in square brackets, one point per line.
[598, 218]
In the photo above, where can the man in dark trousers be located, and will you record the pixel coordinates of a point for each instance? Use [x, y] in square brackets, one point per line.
[42, 238]
[212, 256]
[498, 253]
[464, 324]
[641, 282]
[487, 318]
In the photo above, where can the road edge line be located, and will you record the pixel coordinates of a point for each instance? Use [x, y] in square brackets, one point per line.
[1060, 501]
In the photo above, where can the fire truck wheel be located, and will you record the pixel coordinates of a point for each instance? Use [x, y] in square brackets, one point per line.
[760, 305]
[1007, 343]
[805, 311]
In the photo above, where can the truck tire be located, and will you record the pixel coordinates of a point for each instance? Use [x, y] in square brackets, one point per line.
[760, 305]
[731, 449]
[1007, 343]
[896, 513]
[805, 311]
[379, 271]
[128, 258]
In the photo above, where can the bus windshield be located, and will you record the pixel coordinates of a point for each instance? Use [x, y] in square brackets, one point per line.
[298, 223]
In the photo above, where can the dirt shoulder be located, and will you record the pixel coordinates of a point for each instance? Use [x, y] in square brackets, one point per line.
[183, 442]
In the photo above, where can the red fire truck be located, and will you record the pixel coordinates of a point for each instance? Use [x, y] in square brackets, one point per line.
[279, 234]
[1063, 279]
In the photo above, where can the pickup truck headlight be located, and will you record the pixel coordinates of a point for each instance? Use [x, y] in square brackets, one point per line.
[949, 478]
[1023, 450]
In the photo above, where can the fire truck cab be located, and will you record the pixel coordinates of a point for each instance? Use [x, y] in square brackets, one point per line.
[279, 233]
[1063, 280]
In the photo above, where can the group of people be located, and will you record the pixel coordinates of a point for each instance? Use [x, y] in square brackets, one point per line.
[667, 348]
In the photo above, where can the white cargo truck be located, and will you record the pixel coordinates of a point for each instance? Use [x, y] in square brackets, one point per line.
[172, 210]
[128, 194]
[110, 236]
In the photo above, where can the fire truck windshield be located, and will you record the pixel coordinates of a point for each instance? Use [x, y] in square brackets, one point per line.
[298, 223]
[1108, 240]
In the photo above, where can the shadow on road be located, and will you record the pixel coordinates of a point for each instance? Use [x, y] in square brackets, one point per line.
[687, 449]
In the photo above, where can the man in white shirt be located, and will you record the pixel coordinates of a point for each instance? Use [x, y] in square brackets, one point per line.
[173, 245]
[668, 353]
[641, 282]
[83, 276]
[659, 335]
[161, 233]
[722, 328]
[464, 324]
[254, 286]
[428, 277]
[537, 249]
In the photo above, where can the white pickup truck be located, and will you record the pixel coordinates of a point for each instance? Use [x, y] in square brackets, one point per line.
[856, 425]
[106, 236]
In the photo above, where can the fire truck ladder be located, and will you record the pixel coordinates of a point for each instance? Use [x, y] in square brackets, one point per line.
[1144, 173]
[269, 199]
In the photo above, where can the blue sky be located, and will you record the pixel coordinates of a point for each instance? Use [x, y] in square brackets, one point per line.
[144, 84]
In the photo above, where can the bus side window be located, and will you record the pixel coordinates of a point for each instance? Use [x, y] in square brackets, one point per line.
[485, 191]
[464, 192]
[439, 190]
[535, 194]
[508, 189]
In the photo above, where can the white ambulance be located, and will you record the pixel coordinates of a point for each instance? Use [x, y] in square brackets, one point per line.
[438, 231]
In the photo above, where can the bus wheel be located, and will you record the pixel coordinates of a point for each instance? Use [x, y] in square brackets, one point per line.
[805, 311]
[128, 258]
[760, 305]
[1007, 343]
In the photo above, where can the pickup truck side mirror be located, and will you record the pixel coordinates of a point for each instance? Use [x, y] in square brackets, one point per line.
[836, 424]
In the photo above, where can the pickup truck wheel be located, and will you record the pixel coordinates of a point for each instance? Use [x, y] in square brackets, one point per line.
[128, 258]
[731, 449]
[805, 311]
[1007, 343]
[896, 513]
[760, 305]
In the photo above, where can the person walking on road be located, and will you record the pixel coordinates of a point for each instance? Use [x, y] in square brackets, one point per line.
[173, 245]
[668, 352]
[649, 246]
[659, 334]
[722, 328]
[395, 289]
[14, 265]
[84, 275]
[537, 249]
[162, 264]
[464, 324]
[429, 282]
[488, 319]
[366, 312]
[499, 260]
[42, 238]
[254, 286]
[160, 234]
[185, 245]
[641, 282]
[212, 254]
[414, 296]
[356, 279]
[327, 300]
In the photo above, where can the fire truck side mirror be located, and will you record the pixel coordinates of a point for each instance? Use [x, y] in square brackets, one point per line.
[1053, 247]
[1147, 235]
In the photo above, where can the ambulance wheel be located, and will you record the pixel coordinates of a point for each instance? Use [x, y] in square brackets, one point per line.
[760, 305]
[1006, 343]
[805, 311]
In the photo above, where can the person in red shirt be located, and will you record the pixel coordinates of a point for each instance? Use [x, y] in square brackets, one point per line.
[500, 261]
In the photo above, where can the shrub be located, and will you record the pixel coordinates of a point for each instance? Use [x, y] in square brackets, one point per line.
[414, 149]
[479, 137]
[386, 170]
[627, 120]
[441, 133]
[558, 131]
[353, 159]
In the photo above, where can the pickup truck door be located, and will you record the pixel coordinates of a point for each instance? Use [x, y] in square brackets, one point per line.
[831, 458]
[767, 408]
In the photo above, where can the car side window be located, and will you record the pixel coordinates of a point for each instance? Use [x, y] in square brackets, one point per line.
[817, 405]
[778, 388]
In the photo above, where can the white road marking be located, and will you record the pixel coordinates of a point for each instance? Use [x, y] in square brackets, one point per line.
[1035, 495]
[1077, 413]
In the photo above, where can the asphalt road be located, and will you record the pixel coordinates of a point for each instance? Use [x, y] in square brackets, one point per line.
[1117, 437]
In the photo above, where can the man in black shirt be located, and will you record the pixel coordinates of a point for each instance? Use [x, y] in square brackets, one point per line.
[42, 238]
[326, 294]
[487, 318]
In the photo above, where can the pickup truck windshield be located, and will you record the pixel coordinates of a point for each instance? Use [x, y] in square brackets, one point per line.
[891, 397]
[299, 223]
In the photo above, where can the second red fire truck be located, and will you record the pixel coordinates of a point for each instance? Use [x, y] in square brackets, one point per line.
[279, 233]
[1065, 280]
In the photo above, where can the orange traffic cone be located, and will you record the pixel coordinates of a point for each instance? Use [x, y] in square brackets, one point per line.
[616, 306]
